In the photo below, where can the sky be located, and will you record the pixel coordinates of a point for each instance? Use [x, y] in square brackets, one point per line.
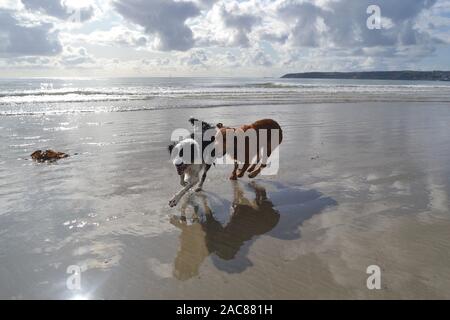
[231, 38]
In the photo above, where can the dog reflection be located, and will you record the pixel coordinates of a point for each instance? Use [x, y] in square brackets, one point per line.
[206, 235]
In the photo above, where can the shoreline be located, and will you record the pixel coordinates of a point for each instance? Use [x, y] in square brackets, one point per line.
[228, 105]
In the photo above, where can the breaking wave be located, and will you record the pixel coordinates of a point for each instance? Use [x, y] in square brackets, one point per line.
[156, 94]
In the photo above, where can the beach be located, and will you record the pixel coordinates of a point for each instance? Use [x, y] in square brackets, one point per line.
[361, 183]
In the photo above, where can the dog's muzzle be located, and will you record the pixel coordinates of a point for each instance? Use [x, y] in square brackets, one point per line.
[181, 168]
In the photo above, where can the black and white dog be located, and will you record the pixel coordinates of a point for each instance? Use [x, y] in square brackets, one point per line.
[189, 160]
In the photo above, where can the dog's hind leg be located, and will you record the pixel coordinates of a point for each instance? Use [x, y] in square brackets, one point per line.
[234, 174]
[242, 171]
[256, 161]
[256, 157]
[252, 168]
[257, 171]
[202, 181]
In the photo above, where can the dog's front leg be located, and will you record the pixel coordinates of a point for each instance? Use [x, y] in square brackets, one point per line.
[182, 192]
[202, 181]
[183, 183]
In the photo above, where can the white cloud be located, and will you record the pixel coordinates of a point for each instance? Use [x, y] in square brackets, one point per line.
[11, 4]
[17, 39]
[344, 23]
[164, 18]
[206, 4]
[195, 58]
[76, 57]
[67, 10]
[241, 24]
[116, 36]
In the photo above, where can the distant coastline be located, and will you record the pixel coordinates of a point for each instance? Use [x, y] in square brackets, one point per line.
[375, 75]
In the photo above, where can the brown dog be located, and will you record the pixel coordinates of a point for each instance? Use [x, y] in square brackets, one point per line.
[249, 164]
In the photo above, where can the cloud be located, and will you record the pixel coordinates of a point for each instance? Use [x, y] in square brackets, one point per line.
[344, 23]
[206, 4]
[164, 18]
[241, 23]
[261, 59]
[306, 18]
[76, 57]
[275, 38]
[11, 5]
[196, 58]
[115, 36]
[17, 39]
[29, 62]
[156, 62]
[60, 9]
[257, 57]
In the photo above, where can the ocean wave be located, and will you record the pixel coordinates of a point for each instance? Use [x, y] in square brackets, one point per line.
[52, 93]
[236, 103]
[257, 93]
[70, 99]
[167, 94]
[326, 86]
[213, 88]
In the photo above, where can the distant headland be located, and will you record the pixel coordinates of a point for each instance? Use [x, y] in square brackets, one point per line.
[375, 75]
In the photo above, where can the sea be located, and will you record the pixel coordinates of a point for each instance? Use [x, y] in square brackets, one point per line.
[36, 96]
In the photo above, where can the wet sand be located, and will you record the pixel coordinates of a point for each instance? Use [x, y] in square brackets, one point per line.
[360, 184]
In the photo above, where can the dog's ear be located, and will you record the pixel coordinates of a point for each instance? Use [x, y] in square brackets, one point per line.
[192, 120]
[219, 125]
[170, 147]
[206, 126]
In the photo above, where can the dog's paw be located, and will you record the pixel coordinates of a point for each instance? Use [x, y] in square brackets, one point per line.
[233, 178]
[199, 189]
[253, 174]
[241, 173]
[178, 221]
[183, 183]
[173, 202]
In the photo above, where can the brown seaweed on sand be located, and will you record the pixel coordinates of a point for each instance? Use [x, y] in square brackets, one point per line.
[48, 155]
